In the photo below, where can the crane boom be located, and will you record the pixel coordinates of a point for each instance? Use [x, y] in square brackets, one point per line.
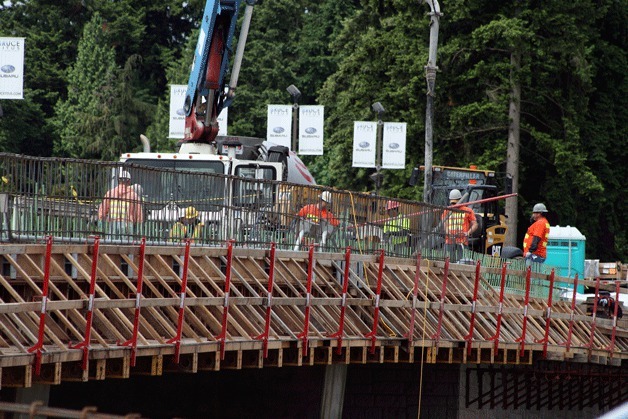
[205, 96]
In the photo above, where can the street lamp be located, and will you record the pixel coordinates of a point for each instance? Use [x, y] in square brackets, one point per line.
[296, 94]
[378, 177]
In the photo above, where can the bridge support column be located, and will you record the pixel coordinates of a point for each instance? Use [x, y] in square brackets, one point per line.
[334, 391]
[38, 392]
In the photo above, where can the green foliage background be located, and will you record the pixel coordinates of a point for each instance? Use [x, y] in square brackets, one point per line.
[97, 76]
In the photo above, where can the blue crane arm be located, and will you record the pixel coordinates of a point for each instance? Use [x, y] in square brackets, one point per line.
[206, 85]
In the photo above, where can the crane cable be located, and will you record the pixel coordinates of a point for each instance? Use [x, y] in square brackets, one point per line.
[427, 283]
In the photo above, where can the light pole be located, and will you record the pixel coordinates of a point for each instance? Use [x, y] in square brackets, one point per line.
[296, 94]
[430, 77]
[377, 177]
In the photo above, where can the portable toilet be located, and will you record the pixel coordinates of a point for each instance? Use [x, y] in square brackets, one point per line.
[565, 253]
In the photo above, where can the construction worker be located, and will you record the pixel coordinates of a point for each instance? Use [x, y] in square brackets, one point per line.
[459, 226]
[319, 220]
[535, 240]
[188, 227]
[396, 226]
[121, 208]
[316, 212]
[608, 303]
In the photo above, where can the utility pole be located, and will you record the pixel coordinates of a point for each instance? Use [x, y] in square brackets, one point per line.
[430, 77]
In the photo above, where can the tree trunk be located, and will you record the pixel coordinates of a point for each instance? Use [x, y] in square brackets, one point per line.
[512, 164]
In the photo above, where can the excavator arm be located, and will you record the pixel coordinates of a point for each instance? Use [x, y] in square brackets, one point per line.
[206, 95]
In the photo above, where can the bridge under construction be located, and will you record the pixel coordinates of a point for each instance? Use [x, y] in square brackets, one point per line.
[82, 304]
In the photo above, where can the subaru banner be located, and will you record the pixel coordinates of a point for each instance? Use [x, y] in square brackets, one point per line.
[364, 143]
[11, 68]
[279, 125]
[394, 145]
[311, 130]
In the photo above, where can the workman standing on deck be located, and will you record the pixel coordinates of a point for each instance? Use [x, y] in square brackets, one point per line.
[459, 226]
[321, 211]
[121, 208]
[396, 227]
[535, 240]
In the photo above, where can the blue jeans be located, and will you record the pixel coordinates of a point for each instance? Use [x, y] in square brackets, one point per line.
[534, 258]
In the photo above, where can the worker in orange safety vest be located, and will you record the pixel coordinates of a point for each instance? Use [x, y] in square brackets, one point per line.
[459, 226]
[121, 208]
[535, 240]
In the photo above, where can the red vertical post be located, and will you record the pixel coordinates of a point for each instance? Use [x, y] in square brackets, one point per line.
[611, 347]
[441, 311]
[38, 347]
[522, 338]
[594, 314]
[495, 338]
[373, 333]
[225, 311]
[138, 303]
[415, 292]
[571, 316]
[184, 287]
[548, 317]
[469, 337]
[308, 301]
[269, 301]
[343, 305]
[84, 345]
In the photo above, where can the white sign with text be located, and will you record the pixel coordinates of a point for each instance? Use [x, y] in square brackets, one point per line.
[279, 125]
[394, 145]
[11, 68]
[311, 122]
[177, 114]
[364, 143]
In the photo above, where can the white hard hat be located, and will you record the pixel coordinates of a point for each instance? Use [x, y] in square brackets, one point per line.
[454, 195]
[539, 208]
[326, 196]
[124, 175]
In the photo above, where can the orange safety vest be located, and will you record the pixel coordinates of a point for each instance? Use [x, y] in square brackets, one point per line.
[314, 213]
[540, 228]
[456, 224]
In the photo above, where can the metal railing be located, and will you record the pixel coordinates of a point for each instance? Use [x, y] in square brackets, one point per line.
[75, 200]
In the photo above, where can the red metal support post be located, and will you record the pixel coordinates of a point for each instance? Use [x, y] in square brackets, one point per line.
[184, 287]
[39, 346]
[522, 338]
[269, 301]
[415, 292]
[138, 304]
[304, 335]
[225, 311]
[611, 347]
[495, 338]
[441, 311]
[548, 317]
[567, 343]
[594, 315]
[84, 345]
[380, 274]
[343, 307]
[469, 337]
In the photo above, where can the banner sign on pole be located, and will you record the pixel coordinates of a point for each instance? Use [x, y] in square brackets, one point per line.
[311, 130]
[279, 125]
[394, 145]
[177, 114]
[364, 143]
[11, 68]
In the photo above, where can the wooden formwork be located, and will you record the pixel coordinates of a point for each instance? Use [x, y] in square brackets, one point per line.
[390, 313]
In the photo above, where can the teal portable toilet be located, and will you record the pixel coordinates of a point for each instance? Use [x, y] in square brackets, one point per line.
[565, 253]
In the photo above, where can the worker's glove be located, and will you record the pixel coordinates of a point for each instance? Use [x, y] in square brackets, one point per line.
[528, 255]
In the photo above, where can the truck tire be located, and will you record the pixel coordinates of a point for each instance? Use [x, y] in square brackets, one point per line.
[511, 252]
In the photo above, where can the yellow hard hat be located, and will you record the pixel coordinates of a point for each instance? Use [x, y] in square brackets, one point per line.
[191, 212]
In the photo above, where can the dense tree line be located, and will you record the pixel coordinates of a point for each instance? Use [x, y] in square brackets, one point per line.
[97, 76]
